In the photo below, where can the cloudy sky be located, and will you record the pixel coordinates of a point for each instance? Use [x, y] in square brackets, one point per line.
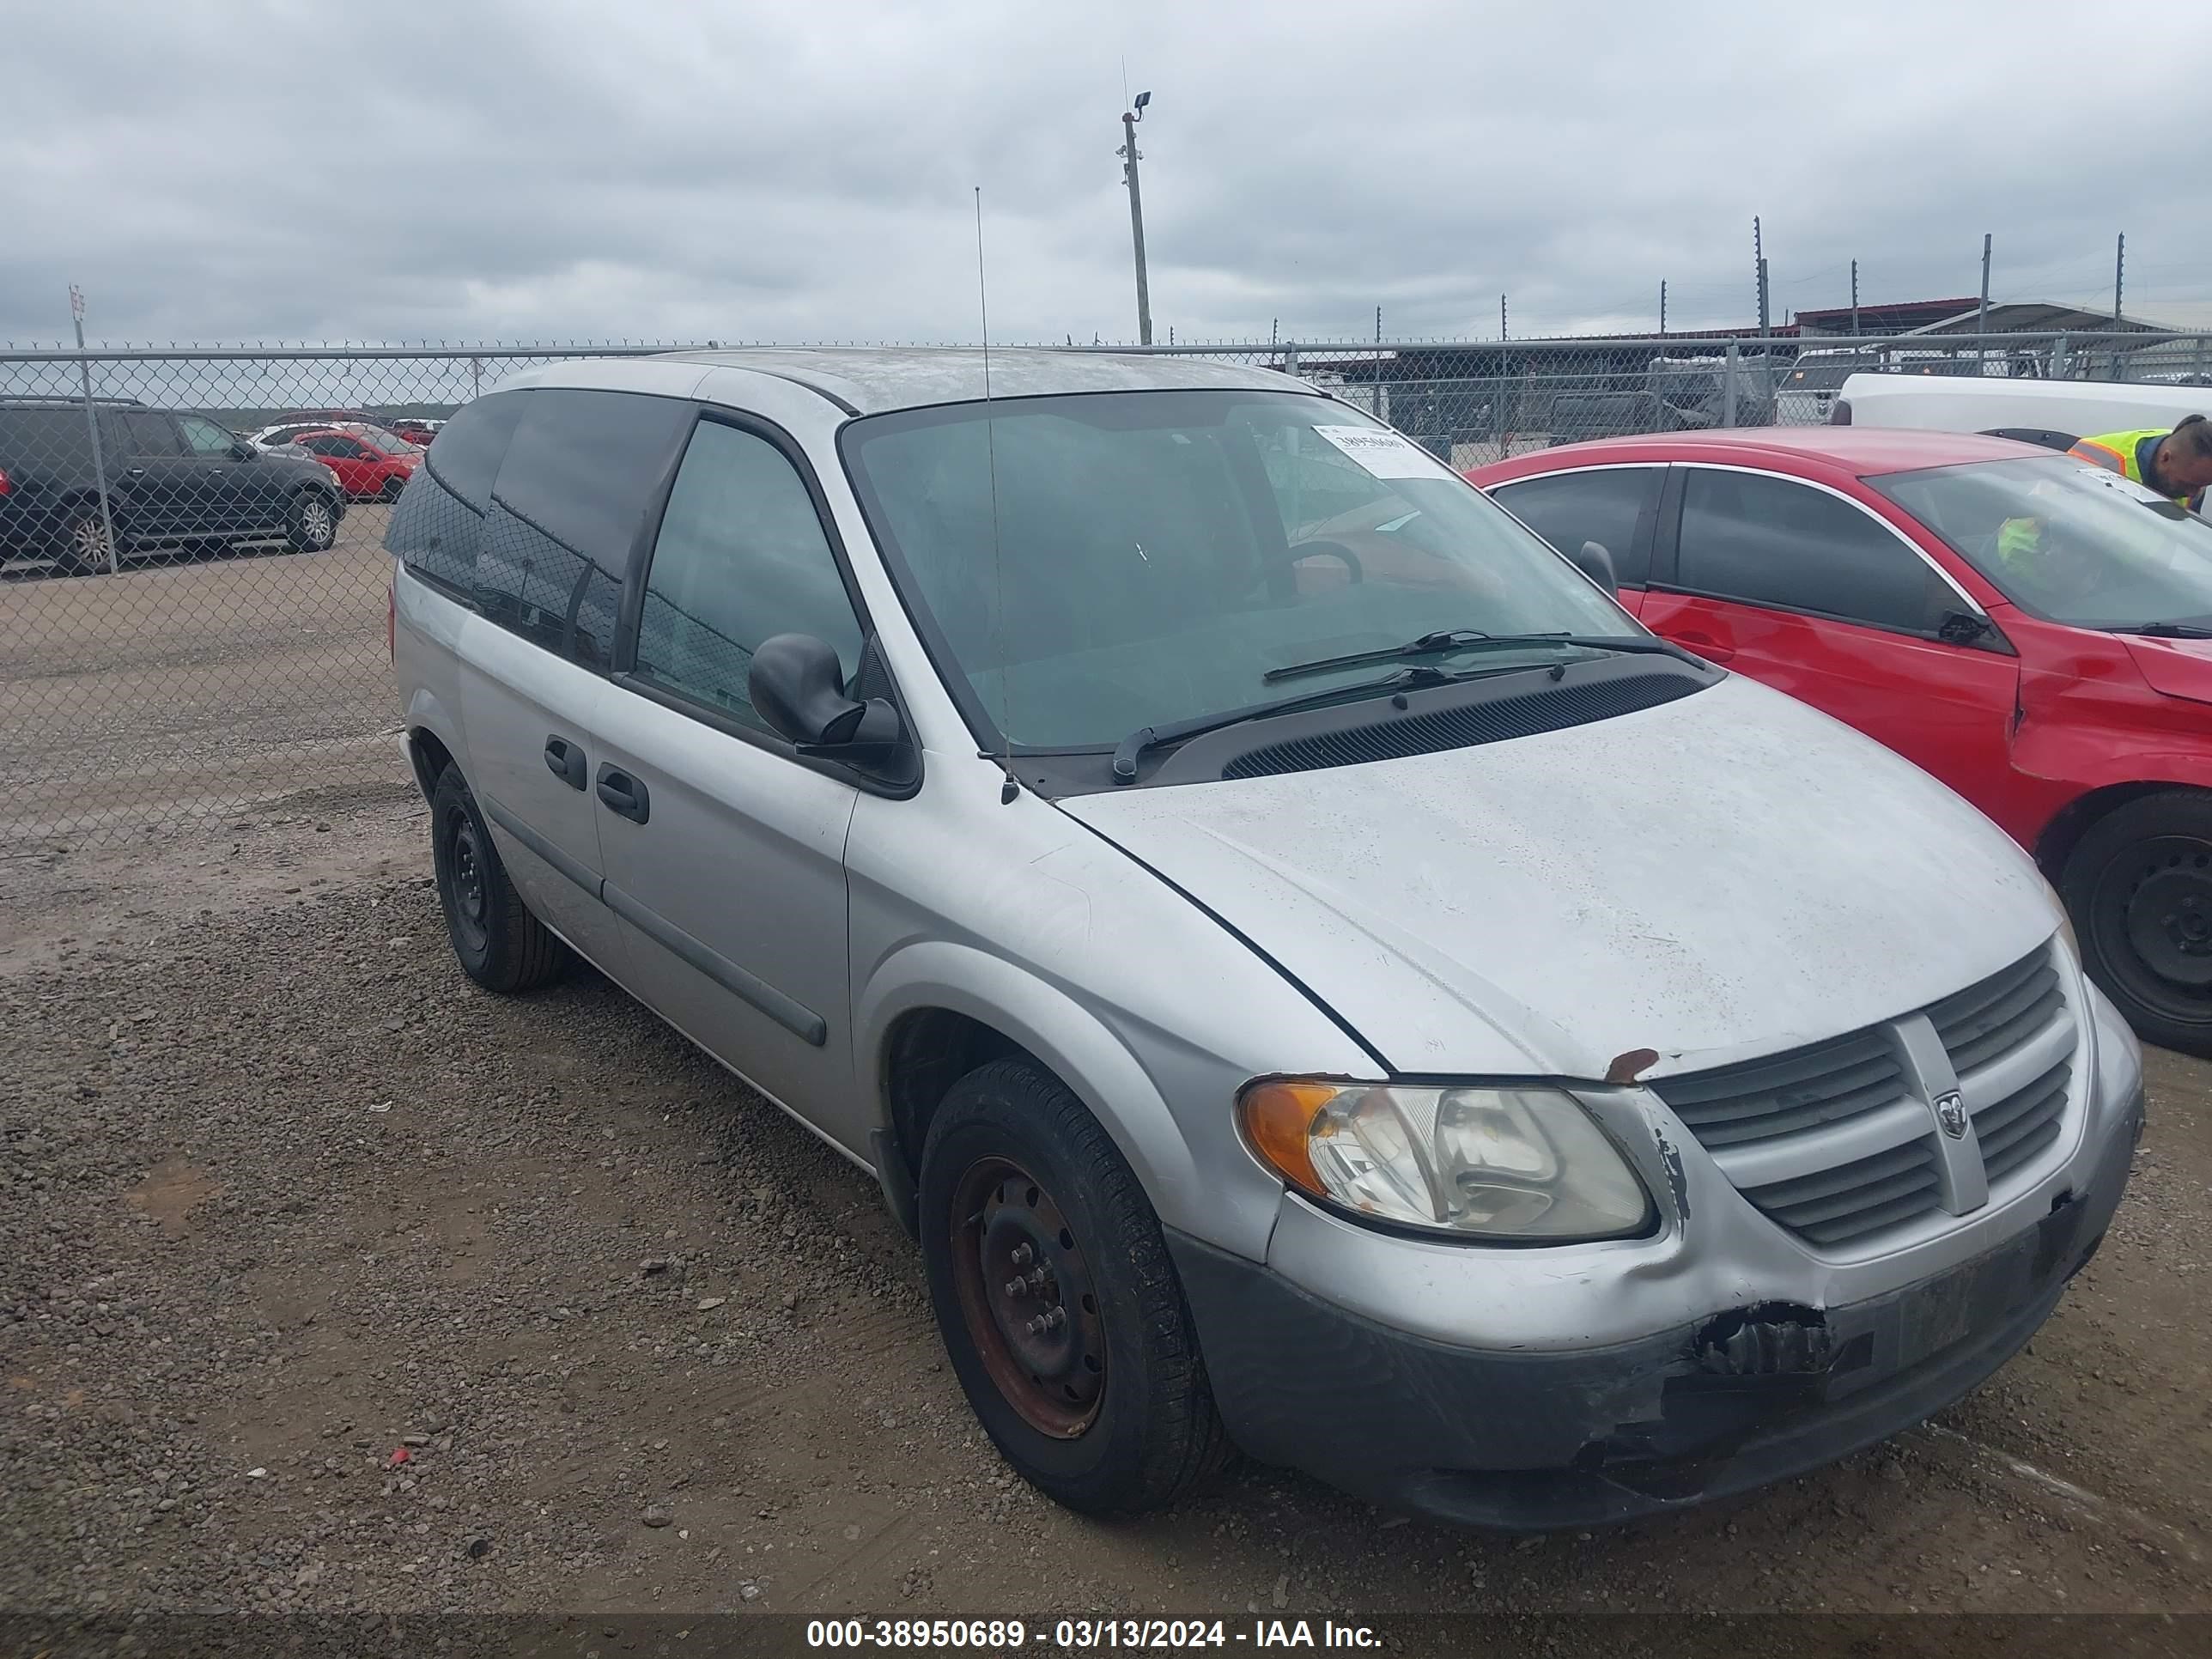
[226, 170]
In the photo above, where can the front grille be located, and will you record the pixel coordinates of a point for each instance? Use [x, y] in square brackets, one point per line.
[1858, 1198]
[1838, 1142]
[1990, 1018]
[2016, 1130]
[1825, 1084]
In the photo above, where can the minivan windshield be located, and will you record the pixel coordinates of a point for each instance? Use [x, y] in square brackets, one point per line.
[1088, 565]
[2067, 541]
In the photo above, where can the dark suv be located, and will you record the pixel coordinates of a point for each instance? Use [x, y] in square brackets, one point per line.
[172, 480]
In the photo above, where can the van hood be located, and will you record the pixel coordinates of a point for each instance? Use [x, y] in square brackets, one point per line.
[2174, 668]
[1725, 875]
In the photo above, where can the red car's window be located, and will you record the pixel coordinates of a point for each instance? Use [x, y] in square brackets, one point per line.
[1591, 504]
[1776, 543]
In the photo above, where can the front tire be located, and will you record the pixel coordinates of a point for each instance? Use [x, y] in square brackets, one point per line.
[393, 486]
[1056, 1299]
[2139, 888]
[312, 523]
[500, 944]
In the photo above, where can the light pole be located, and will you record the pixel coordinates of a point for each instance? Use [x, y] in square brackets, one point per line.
[1128, 154]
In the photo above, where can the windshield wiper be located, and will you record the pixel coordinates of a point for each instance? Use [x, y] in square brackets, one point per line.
[2165, 630]
[1470, 638]
[1145, 737]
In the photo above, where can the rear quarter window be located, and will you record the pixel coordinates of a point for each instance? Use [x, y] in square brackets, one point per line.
[438, 531]
[581, 473]
[40, 441]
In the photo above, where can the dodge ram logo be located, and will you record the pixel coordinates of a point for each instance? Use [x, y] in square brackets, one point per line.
[1951, 1113]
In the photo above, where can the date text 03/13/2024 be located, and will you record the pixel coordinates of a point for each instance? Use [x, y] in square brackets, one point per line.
[1075, 1635]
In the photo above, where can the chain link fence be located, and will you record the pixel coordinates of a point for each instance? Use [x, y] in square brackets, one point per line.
[193, 580]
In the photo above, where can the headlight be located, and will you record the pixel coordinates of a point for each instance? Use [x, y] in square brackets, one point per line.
[1524, 1163]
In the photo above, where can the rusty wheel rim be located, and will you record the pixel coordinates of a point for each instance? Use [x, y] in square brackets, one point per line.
[1027, 1298]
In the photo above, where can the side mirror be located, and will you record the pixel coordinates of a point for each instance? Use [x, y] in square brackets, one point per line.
[1597, 563]
[242, 451]
[799, 687]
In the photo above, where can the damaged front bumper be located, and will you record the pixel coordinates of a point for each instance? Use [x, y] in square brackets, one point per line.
[1523, 1439]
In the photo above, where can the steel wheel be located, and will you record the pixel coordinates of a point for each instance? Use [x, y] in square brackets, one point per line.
[1027, 1298]
[2157, 907]
[471, 890]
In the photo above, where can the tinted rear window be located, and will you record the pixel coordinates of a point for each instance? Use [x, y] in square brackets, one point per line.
[466, 457]
[439, 531]
[581, 475]
[34, 441]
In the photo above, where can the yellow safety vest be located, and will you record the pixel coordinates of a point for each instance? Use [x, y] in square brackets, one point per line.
[2116, 451]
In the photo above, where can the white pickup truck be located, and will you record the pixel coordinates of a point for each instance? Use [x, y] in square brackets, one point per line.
[2053, 413]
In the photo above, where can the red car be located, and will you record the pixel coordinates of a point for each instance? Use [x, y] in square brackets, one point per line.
[2034, 631]
[372, 464]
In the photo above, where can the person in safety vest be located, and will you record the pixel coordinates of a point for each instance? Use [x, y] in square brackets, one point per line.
[2026, 547]
[2177, 464]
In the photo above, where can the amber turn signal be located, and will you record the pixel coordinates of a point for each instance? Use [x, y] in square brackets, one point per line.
[1279, 1122]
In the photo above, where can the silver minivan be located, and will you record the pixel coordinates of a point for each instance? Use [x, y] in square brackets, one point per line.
[1314, 974]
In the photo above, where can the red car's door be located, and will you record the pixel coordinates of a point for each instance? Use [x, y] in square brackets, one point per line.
[342, 455]
[1615, 506]
[1804, 589]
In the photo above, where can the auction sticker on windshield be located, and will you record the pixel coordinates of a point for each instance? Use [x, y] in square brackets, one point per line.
[1385, 453]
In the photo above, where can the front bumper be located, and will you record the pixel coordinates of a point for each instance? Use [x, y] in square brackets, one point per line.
[1529, 1441]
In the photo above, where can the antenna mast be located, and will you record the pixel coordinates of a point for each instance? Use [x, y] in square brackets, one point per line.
[1010, 789]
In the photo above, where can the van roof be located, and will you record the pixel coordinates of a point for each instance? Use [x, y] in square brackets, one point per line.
[872, 380]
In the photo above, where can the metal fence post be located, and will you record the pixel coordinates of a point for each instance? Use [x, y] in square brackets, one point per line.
[1728, 387]
[92, 425]
[1291, 358]
[2059, 366]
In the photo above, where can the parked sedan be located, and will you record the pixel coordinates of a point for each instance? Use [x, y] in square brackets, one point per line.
[371, 464]
[2034, 631]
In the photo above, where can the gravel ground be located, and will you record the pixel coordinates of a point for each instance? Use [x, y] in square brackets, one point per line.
[330, 1283]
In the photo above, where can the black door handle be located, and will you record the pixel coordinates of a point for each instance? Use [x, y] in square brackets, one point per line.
[624, 794]
[565, 760]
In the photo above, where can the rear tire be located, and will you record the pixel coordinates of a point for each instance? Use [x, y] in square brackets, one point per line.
[2139, 887]
[1106, 1408]
[393, 486]
[500, 944]
[82, 548]
[311, 524]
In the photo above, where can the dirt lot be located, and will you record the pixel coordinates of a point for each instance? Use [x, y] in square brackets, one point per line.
[283, 1196]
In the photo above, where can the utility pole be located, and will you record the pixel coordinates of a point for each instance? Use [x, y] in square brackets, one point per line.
[1855, 296]
[1129, 120]
[1982, 312]
[2119, 270]
[1501, 316]
[1662, 305]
